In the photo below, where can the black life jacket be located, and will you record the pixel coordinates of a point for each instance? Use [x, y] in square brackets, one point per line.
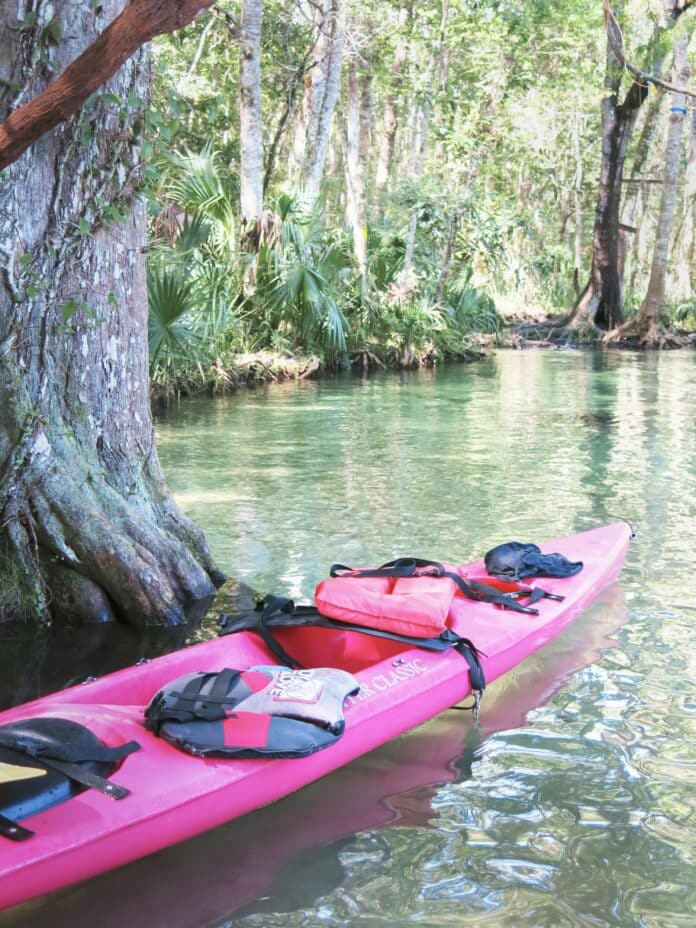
[46, 761]
[265, 711]
[516, 560]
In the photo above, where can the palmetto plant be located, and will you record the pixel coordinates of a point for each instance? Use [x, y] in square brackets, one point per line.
[193, 279]
[299, 280]
[469, 309]
[172, 340]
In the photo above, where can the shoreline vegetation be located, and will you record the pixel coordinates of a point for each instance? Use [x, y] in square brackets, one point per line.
[266, 367]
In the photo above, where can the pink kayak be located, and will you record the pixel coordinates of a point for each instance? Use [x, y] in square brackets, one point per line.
[174, 795]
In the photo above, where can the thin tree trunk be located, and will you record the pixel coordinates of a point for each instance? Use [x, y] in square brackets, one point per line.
[326, 82]
[650, 312]
[296, 81]
[577, 211]
[250, 125]
[420, 142]
[391, 106]
[354, 166]
[84, 509]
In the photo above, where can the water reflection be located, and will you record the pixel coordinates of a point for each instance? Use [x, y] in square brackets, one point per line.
[577, 807]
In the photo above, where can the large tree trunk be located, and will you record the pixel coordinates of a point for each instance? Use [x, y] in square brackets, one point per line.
[648, 320]
[637, 187]
[250, 125]
[601, 302]
[87, 525]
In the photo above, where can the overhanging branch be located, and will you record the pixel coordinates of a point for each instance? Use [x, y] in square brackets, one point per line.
[615, 36]
[139, 22]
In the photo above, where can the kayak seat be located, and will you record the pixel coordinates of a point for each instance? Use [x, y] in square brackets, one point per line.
[46, 761]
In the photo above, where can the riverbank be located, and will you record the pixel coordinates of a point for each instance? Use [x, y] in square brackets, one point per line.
[250, 369]
[253, 368]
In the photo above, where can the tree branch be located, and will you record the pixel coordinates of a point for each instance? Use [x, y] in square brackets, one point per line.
[616, 38]
[139, 22]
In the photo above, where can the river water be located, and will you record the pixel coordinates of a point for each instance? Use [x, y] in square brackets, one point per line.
[575, 804]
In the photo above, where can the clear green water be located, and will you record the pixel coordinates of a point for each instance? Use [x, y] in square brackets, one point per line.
[577, 803]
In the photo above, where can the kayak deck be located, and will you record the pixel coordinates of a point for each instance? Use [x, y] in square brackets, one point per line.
[175, 795]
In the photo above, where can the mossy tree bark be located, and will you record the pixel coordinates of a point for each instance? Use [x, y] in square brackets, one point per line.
[86, 520]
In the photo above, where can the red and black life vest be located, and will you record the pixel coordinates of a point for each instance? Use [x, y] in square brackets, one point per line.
[265, 711]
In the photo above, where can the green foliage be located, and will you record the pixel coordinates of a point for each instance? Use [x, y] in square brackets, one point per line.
[171, 341]
[472, 310]
[512, 91]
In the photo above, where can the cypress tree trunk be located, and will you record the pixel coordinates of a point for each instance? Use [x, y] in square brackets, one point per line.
[601, 302]
[87, 525]
[648, 320]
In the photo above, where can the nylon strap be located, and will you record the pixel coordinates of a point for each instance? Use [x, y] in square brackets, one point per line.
[66, 760]
[13, 830]
[279, 612]
[26, 744]
[87, 778]
[422, 567]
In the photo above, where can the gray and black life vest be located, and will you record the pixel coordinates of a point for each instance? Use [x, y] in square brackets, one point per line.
[265, 711]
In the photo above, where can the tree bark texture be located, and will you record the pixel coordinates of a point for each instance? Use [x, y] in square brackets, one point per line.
[86, 519]
[138, 23]
[601, 302]
[322, 85]
[651, 309]
[250, 125]
[355, 165]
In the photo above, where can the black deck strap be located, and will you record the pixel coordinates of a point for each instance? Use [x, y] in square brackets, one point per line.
[258, 621]
[86, 777]
[471, 655]
[304, 616]
[13, 830]
[400, 567]
[66, 760]
[483, 593]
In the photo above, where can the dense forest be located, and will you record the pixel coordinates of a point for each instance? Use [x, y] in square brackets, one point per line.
[288, 186]
[395, 183]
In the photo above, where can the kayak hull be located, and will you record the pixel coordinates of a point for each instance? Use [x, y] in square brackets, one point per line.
[175, 796]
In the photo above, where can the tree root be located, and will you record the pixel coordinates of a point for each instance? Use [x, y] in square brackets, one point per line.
[653, 337]
[94, 554]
